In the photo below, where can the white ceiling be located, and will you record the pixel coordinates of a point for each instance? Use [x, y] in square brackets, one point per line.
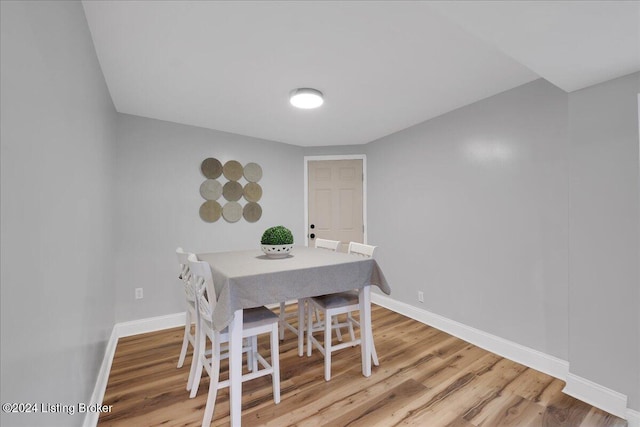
[383, 66]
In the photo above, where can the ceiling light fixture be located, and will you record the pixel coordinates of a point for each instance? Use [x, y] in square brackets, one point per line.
[306, 98]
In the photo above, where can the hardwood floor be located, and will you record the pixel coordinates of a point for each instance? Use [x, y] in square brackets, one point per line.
[425, 378]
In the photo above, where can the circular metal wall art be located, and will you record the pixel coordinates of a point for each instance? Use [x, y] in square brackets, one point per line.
[211, 189]
[211, 168]
[252, 212]
[252, 192]
[232, 191]
[210, 211]
[252, 172]
[232, 170]
[232, 211]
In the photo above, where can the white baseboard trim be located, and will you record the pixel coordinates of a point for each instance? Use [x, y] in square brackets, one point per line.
[633, 418]
[594, 394]
[535, 359]
[151, 324]
[580, 388]
[125, 329]
[91, 418]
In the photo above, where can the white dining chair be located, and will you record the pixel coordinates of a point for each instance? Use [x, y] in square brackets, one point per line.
[191, 313]
[331, 306]
[331, 245]
[256, 321]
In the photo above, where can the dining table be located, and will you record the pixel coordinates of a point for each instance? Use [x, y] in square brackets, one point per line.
[248, 278]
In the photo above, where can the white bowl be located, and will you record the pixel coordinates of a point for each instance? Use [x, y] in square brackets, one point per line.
[277, 251]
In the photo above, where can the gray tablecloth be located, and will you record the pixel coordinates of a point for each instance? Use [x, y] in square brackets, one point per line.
[246, 279]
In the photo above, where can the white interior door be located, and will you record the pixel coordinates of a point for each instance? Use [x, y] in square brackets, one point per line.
[335, 201]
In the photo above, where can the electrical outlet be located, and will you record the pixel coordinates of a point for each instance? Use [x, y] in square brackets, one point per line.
[420, 296]
[139, 294]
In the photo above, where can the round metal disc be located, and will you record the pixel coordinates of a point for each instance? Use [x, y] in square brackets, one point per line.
[252, 212]
[211, 168]
[211, 189]
[210, 211]
[252, 192]
[232, 191]
[232, 211]
[252, 172]
[232, 170]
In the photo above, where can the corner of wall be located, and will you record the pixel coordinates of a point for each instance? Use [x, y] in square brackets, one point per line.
[120, 330]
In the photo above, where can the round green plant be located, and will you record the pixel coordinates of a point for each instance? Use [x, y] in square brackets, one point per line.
[278, 235]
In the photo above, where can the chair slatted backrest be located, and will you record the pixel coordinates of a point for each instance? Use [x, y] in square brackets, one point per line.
[185, 274]
[361, 249]
[328, 244]
[205, 291]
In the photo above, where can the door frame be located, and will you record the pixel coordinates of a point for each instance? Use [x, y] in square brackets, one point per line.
[307, 159]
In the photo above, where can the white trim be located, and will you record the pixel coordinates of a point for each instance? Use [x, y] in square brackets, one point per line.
[594, 394]
[91, 418]
[276, 305]
[362, 157]
[120, 330]
[150, 324]
[580, 388]
[535, 359]
[633, 418]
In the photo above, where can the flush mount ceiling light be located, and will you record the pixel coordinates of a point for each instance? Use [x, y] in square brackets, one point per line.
[306, 98]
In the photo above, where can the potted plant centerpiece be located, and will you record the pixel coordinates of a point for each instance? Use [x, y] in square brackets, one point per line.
[277, 241]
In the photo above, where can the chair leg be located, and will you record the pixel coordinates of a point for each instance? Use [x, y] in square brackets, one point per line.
[213, 384]
[275, 364]
[338, 332]
[249, 354]
[309, 329]
[327, 346]
[196, 352]
[301, 311]
[374, 354]
[254, 352]
[282, 320]
[185, 341]
[350, 321]
[199, 361]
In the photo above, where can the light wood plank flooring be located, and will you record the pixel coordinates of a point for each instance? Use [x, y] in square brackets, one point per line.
[425, 378]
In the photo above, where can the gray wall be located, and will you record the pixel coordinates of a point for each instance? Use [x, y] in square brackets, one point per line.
[157, 188]
[520, 217]
[478, 200]
[519, 214]
[603, 238]
[58, 128]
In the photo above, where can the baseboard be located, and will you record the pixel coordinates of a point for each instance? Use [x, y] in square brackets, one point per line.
[594, 394]
[91, 418]
[580, 388]
[633, 418]
[535, 359]
[151, 324]
[277, 304]
[120, 330]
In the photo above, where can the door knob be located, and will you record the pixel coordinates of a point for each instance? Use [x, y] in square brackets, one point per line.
[312, 226]
[312, 236]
